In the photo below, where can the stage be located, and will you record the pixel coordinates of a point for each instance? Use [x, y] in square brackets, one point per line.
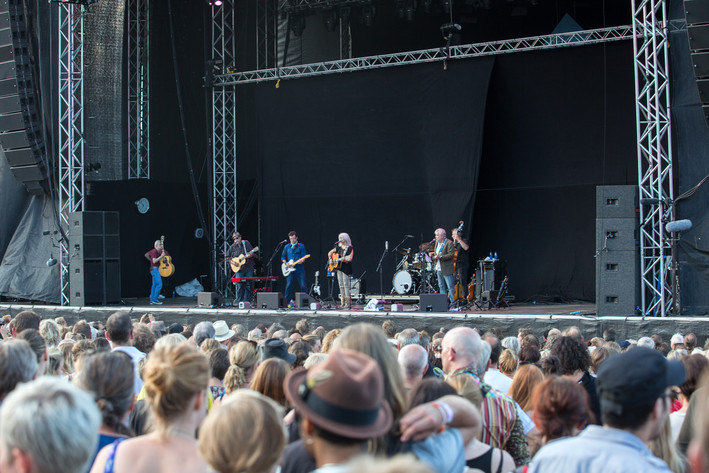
[540, 317]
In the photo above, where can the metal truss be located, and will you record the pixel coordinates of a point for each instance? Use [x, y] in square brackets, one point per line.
[652, 109]
[223, 138]
[71, 125]
[292, 6]
[138, 89]
[266, 37]
[579, 38]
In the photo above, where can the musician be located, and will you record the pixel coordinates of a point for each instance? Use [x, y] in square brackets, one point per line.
[238, 248]
[154, 256]
[345, 253]
[294, 251]
[460, 245]
[442, 256]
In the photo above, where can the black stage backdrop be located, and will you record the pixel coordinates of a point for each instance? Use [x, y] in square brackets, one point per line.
[378, 154]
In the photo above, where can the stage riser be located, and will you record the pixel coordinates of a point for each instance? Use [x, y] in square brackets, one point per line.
[509, 323]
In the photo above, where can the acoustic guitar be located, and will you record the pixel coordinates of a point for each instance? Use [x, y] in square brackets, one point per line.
[238, 261]
[334, 263]
[165, 268]
[289, 267]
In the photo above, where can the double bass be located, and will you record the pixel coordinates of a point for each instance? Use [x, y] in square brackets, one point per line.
[458, 293]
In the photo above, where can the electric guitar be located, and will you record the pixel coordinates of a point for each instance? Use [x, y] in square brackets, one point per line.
[238, 261]
[166, 268]
[289, 267]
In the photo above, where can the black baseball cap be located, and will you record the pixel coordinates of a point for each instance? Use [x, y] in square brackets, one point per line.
[636, 378]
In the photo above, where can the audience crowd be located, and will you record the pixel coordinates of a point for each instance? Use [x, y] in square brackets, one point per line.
[140, 396]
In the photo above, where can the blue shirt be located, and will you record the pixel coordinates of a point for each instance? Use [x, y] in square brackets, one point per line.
[597, 449]
[290, 253]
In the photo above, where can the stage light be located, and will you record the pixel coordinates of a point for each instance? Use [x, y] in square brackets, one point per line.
[215, 3]
[51, 261]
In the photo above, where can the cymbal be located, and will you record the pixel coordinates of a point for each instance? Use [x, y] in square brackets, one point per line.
[405, 251]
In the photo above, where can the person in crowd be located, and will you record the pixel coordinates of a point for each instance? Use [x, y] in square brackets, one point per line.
[527, 378]
[341, 256]
[218, 366]
[690, 342]
[119, 331]
[39, 347]
[461, 353]
[293, 252]
[19, 365]
[329, 339]
[598, 356]
[109, 377]
[238, 248]
[413, 361]
[664, 447]
[695, 366]
[560, 409]
[634, 395]
[493, 376]
[676, 340]
[511, 343]
[24, 320]
[575, 362]
[48, 426]
[244, 359]
[259, 446]
[268, 379]
[696, 437]
[51, 332]
[314, 341]
[176, 381]
[203, 331]
[478, 455]
[508, 363]
[143, 338]
[529, 353]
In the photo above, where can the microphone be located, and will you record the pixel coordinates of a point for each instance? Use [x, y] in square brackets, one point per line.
[678, 226]
[409, 236]
[649, 201]
[335, 244]
[386, 245]
[51, 261]
[283, 242]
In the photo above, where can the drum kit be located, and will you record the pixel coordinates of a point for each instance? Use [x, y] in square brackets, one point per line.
[415, 273]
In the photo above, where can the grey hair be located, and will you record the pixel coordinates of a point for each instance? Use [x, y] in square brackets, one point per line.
[203, 331]
[18, 362]
[408, 336]
[412, 359]
[169, 340]
[512, 343]
[646, 342]
[346, 237]
[485, 351]
[54, 422]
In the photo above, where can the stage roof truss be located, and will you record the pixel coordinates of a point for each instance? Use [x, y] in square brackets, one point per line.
[138, 71]
[579, 38]
[71, 125]
[654, 148]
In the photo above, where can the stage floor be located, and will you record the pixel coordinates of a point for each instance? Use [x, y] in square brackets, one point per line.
[539, 317]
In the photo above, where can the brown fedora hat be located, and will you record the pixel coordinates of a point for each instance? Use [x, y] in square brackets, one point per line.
[343, 395]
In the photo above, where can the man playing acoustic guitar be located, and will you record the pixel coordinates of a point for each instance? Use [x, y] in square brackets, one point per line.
[154, 256]
[292, 257]
[244, 266]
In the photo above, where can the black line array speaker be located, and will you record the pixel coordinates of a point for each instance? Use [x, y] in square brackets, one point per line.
[94, 258]
[617, 259]
[697, 16]
[21, 135]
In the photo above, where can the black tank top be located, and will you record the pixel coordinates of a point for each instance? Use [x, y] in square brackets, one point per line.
[484, 462]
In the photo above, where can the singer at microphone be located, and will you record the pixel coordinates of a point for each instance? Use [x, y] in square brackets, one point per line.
[340, 261]
[442, 253]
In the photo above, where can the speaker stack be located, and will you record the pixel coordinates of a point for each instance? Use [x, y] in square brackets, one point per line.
[21, 134]
[94, 264]
[617, 258]
[697, 16]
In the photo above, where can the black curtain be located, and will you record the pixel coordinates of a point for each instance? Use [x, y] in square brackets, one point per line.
[379, 154]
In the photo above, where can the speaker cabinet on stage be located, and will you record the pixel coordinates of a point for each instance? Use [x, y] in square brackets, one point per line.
[208, 299]
[618, 258]
[302, 300]
[94, 258]
[269, 300]
[433, 303]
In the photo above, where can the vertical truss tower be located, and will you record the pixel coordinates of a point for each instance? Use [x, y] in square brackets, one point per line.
[223, 137]
[138, 89]
[652, 109]
[70, 125]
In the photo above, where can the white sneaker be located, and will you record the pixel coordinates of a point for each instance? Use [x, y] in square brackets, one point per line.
[160, 296]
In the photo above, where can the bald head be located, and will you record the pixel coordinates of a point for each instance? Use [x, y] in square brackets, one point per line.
[413, 360]
[460, 348]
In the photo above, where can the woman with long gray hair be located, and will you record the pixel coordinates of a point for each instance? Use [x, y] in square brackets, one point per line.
[340, 260]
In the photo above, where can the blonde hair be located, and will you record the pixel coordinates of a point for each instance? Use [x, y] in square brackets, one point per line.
[403, 463]
[66, 347]
[314, 359]
[466, 387]
[223, 428]
[173, 377]
[329, 339]
[169, 340]
[508, 362]
[209, 345]
[50, 331]
[664, 448]
[242, 357]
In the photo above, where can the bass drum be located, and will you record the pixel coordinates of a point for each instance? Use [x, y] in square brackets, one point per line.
[402, 282]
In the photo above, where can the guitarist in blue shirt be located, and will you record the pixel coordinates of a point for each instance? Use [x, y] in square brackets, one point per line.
[292, 253]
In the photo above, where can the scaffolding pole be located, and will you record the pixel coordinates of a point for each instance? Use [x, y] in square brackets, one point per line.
[138, 72]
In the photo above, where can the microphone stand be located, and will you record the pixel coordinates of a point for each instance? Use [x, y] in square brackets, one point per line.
[379, 269]
[270, 264]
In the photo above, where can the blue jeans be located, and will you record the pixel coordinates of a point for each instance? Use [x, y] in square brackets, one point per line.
[243, 289]
[446, 284]
[157, 284]
[300, 276]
